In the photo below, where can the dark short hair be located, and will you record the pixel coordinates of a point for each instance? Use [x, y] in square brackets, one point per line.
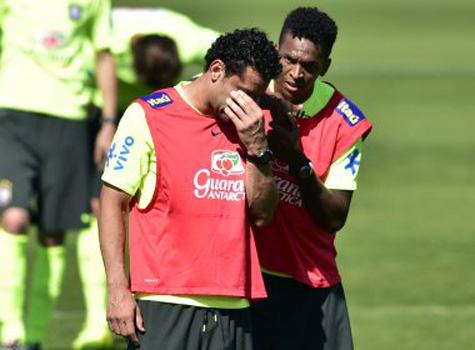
[312, 24]
[156, 60]
[243, 48]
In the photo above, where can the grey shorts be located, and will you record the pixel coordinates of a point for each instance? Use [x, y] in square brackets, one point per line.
[44, 167]
[296, 316]
[182, 327]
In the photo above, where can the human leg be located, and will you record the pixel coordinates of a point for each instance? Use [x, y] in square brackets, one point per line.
[95, 332]
[12, 274]
[18, 169]
[47, 277]
[61, 200]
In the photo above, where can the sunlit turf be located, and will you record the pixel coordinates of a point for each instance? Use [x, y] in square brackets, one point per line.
[407, 252]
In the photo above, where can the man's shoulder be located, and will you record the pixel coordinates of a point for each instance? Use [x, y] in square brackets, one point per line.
[352, 122]
[346, 111]
[159, 99]
[339, 107]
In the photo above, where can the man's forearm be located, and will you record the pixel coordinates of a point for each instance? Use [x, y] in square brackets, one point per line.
[262, 194]
[107, 83]
[329, 208]
[112, 237]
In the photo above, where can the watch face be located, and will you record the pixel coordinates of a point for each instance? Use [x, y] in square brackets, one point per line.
[266, 156]
[263, 158]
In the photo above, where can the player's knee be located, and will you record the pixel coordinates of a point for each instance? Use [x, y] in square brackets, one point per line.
[15, 220]
[51, 239]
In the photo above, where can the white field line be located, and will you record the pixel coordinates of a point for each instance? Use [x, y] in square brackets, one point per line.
[430, 309]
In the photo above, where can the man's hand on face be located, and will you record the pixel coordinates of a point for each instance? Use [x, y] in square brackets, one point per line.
[123, 314]
[283, 138]
[248, 118]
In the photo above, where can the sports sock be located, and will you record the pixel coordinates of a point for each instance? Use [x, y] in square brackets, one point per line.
[92, 275]
[48, 271]
[12, 292]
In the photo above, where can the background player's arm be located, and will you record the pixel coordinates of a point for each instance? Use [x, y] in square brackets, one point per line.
[262, 195]
[101, 34]
[329, 208]
[107, 82]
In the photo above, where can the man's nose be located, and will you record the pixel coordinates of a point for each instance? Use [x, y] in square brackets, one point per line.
[296, 71]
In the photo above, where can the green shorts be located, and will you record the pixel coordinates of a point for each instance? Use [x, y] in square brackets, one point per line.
[45, 165]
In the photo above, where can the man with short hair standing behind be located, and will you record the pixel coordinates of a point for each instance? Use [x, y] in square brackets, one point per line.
[192, 162]
[318, 151]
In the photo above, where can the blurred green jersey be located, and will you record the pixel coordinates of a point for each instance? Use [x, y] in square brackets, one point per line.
[191, 39]
[46, 50]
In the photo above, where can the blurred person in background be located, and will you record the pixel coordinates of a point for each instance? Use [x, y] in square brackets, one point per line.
[193, 263]
[45, 86]
[146, 58]
[317, 157]
[150, 47]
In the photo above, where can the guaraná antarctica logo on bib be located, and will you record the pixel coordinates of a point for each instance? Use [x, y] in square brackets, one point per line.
[224, 163]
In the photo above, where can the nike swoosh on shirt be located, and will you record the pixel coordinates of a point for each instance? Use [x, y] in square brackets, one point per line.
[216, 133]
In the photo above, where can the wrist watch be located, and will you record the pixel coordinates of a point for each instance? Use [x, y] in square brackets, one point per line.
[302, 169]
[262, 158]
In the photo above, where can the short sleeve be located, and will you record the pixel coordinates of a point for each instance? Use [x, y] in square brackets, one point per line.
[343, 173]
[128, 161]
[101, 30]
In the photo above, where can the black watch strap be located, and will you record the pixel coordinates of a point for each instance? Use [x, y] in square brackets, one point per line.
[302, 168]
[263, 158]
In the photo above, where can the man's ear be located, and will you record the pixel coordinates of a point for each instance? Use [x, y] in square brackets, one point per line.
[216, 70]
[328, 62]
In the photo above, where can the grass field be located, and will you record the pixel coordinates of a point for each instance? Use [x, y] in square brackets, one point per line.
[407, 253]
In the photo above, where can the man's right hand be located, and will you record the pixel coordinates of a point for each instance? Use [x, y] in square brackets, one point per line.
[248, 118]
[123, 314]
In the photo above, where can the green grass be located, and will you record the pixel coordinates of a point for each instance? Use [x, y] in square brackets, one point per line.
[406, 254]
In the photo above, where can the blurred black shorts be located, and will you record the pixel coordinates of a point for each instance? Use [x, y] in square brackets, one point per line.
[183, 327]
[45, 163]
[296, 316]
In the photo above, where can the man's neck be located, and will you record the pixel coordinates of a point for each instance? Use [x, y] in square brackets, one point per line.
[196, 95]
